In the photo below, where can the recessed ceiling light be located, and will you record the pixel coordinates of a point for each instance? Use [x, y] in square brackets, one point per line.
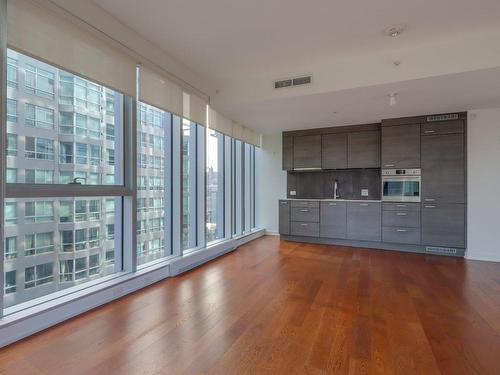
[395, 30]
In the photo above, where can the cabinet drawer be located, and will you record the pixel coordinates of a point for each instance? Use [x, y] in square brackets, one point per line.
[302, 204]
[400, 206]
[401, 235]
[298, 228]
[401, 219]
[443, 127]
[305, 214]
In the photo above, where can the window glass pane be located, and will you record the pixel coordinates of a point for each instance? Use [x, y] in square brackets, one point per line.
[57, 243]
[189, 185]
[153, 183]
[215, 185]
[238, 187]
[64, 129]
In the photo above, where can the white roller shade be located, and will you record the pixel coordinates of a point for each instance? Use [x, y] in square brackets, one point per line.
[217, 121]
[42, 33]
[194, 108]
[159, 91]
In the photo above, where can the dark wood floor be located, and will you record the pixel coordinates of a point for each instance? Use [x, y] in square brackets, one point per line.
[281, 308]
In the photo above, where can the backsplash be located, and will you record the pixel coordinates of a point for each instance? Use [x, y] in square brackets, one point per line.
[319, 184]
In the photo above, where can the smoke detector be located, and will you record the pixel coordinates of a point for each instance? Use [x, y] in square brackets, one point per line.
[395, 30]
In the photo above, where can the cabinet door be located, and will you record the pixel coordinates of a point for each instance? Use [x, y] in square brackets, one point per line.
[401, 146]
[307, 151]
[334, 151]
[333, 220]
[284, 217]
[287, 152]
[364, 149]
[443, 168]
[364, 221]
[443, 225]
[443, 127]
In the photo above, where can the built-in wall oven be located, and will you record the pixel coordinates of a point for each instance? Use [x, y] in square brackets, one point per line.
[401, 185]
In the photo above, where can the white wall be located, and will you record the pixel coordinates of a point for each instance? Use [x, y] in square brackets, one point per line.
[270, 181]
[483, 180]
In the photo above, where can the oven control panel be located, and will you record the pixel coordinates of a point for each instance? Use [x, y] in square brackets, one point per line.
[401, 172]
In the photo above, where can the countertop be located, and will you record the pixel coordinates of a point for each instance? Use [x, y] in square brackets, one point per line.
[332, 200]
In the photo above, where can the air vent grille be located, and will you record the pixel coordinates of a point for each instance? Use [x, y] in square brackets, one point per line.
[435, 118]
[440, 250]
[296, 81]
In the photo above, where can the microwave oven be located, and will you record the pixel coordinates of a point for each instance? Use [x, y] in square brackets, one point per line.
[401, 185]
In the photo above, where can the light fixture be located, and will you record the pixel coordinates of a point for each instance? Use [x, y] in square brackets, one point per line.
[395, 30]
[392, 98]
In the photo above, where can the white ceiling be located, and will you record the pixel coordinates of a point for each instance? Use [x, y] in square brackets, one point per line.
[235, 42]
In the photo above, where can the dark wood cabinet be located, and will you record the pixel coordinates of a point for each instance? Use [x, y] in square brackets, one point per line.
[287, 153]
[401, 146]
[307, 151]
[443, 168]
[364, 149]
[443, 127]
[364, 221]
[284, 217]
[333, 220]
[443, 224]
[334, 151]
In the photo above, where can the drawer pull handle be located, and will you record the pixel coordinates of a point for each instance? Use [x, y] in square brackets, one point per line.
[401, 213]
[364, 204]
[429, 199]
[429, 206]
[400, 230]
[284, 202]
[304, 225]
[429, 131]
[333, 204]
[401, 205]
[304, 210]
[388, 165]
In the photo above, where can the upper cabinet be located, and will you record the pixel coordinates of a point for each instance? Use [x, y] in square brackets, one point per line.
[334, 151]
[401, 146]
[364, 149]
[287, 152]
[307, 151]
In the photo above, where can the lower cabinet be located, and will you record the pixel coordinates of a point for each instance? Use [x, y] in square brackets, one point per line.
[443, 224]
[284, 217]
[403, 235]
[364, 221]
[333, 220]
[298, 228]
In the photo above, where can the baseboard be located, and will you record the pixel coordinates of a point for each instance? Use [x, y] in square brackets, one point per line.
[271, 233]
[484, 257]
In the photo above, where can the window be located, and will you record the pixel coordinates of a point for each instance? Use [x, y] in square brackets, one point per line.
[94, 264]
[38, 243]
[38, 275]
[80, 268]
[110, 230]
[39, 148]
[39, 117]
[110, 156]
[215, 186]
[110, 132]
[10, 282]
[11, 145]
[11, 247]
[10, 213]
[12, 110]
[39, 212]
[39, 176]
[79, 92]
[81, 153]
[80, 210]
[11, 72]
[189, 185]
[237, 187]
[11, 175]
[39, 82]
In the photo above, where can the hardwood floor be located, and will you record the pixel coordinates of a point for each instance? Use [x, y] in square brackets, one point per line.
[287, 308]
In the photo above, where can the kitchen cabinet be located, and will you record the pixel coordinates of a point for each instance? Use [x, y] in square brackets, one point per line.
[364, 221]
[443, 127]
[443, 168]
[307, 151]
[304, 214]
[284, 217]
[334, 151]
[443, 224]
[333, 220]
[400, 146]
[403, 235]
[364, 149]
[304, 229]
[287, 153]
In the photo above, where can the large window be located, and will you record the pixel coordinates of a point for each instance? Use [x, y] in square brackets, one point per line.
[189, 185]
[215, 162]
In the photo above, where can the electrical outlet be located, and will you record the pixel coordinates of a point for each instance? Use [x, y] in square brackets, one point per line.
[364, 192]
[293, 192]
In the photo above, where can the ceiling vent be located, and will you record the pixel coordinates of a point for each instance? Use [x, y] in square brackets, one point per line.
[435, 118]
[296, 81]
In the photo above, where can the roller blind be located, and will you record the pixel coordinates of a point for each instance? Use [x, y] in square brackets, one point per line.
[159, 91]
[194, 108]
[47, 35]
[222, 124]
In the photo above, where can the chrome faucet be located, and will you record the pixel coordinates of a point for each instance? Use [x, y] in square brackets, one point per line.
[336, 194]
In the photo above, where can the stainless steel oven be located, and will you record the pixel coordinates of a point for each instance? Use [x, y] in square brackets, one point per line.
[401, 185]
